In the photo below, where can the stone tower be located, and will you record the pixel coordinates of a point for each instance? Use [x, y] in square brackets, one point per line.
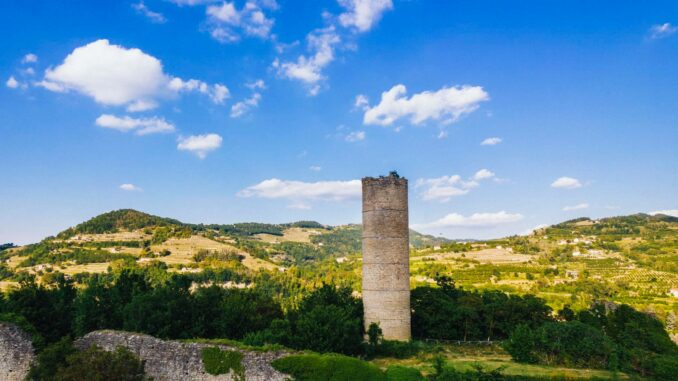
[386, 257]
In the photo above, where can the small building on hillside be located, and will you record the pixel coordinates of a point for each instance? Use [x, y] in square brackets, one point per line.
[674, 292]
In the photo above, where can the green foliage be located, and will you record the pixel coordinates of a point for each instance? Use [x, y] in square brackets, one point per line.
[48, 252]
[243, 229]
[450, 313]
[307, 225]
[6, 246]
[50, 359]
[25, 325]
[50, 311]
[123, 219]
[328, 319]
[218, 362]
[329, 367]
[95, 364]
[665, 368]
[568, 343]
[403, 373]
[521, 345]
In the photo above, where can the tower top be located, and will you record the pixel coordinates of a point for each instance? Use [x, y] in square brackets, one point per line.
[392, 178]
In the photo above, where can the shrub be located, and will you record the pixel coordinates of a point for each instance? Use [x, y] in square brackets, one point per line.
[520, 345]
[665, 368]
[96, 364]
[330, 367]
[403, 373]
[50, 360]
[569, 343]
[218, 362]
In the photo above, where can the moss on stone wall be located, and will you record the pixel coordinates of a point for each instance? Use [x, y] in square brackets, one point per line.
[218, 362]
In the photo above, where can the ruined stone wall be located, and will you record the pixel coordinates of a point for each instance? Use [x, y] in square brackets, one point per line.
[386, 261]
[179, 361]
[16, 352]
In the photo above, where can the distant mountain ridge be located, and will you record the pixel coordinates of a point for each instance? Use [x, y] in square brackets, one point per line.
[130, 220]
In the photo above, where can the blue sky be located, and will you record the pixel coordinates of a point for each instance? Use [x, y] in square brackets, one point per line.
[220, 112]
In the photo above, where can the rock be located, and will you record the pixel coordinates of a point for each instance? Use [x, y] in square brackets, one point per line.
[16, 352]
[182, 361]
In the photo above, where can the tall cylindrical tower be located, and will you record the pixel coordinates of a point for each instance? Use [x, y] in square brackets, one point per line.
[386, 259]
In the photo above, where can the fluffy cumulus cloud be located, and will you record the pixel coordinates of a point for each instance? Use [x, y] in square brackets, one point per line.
[355, 136]
[662, 30]
[115, 75]
[12, 83]
[566, 183]
[483, 174]
[154, 17]
[140, 126]
[446, 187]
[308, 68]
[299, 191]
[666, 212]
[200, 145]
[446, 105]
[475, 220]
[363, 14]
[581, 206]
[490, 141]
[228, 22]
[29, 58]
[130, 188]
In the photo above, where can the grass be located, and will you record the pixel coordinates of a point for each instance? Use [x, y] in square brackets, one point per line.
[464, 358]
[238, 344]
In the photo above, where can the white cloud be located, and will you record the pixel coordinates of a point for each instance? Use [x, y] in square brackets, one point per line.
[29, 58]
[491, 141]
[200, 145]
[363, 14]
[140, 126]
[666, 212]
[355, 136]
[242, 107]
[130, 188]
[227, 21]
[566, 183]
[141, 105]
[445, 187]
[315, 168]
[154, 17]
[259, 84]
[12, 83]
[299, 190]
[361, 102]
[662, 30]
[308, 69]
[483, 174]
[576, 207]
[115, 75]
[447, 104]
[475, 220]
[191, 3]
[218, 93]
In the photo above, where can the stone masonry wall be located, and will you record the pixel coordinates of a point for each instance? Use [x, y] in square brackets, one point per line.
[385, 247]
[16, 352]
[179, 361]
